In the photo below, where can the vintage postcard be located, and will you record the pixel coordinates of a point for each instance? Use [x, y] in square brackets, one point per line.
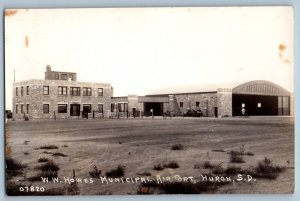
[118, 101]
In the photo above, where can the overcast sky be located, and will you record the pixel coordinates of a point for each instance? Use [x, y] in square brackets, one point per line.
[140, 50]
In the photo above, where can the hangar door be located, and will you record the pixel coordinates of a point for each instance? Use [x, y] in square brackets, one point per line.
[254, 105]
[155, 106]
[260, 98]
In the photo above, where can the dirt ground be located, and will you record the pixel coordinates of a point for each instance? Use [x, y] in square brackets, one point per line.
[139, 144]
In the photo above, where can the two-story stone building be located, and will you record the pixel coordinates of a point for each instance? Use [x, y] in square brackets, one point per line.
[60, 97]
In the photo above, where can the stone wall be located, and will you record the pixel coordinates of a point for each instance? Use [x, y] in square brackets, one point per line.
[292, 105]
[153, 99]
[207, 102]
[224, 102]
[123, 99]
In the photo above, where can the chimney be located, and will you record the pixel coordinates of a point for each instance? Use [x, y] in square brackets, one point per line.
[48, 68]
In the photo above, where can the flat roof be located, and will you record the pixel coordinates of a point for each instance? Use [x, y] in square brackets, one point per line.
[193, 89]
[40, 81]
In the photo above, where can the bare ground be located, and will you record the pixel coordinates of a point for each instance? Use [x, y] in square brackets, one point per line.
[139, 144]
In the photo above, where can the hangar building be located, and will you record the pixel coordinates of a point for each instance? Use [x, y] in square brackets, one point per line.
[258, 98]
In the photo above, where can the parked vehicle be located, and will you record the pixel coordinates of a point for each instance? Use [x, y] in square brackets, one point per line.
[8, 114]
[193, 113]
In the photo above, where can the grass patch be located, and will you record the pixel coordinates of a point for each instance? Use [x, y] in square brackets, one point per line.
[47, 152]
[232, 170]
[197, 166]
[241, 152]
[236, 157]
[144, 174]
[45, 174]
[266, 169]
[263, 169]
[49, 166]
[218, 170]
[218, 150]
[43, 159]
[177, 147]
[158, 167]
[13, 167]
[95, 172]
[207, 165]
[73, 189]
[118, 172]
[249, 154]
[172, 164]
[52, 146]
[59, 154]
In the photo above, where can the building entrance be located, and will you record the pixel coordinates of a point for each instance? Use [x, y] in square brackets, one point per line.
[75, 110]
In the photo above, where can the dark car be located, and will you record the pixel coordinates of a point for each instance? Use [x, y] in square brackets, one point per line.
[193, 113]
[199, 113]
[8, 114]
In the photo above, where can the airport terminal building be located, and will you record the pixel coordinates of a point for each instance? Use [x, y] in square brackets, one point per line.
[60, 95]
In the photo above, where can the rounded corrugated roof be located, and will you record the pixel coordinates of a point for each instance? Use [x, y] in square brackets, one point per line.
[237, 87]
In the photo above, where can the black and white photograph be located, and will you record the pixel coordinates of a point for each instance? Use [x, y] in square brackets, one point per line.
[149, 101]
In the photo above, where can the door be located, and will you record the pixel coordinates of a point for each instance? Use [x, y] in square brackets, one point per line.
[134, 112]
[216, 111]
[75, 110]
[86, 109]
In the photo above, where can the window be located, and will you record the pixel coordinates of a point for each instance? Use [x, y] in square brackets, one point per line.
[87, 91]
[16, 91]
[64, 76]
[45, 108]
[62, 90]
[100, 108]
[62, 108]
[197, 104]
[285, 105]
[181, 104]
[121, 107]
[285, 101]
[87, 108]
[100, 91]
[258, 104]
[75, 91]
[46, 90]
[17, 109]
[27, 108]
[27, 90]
[22, 109]
[71, 77]
[56, 76]
[112, 107]
[21, 91]
[243, 105]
